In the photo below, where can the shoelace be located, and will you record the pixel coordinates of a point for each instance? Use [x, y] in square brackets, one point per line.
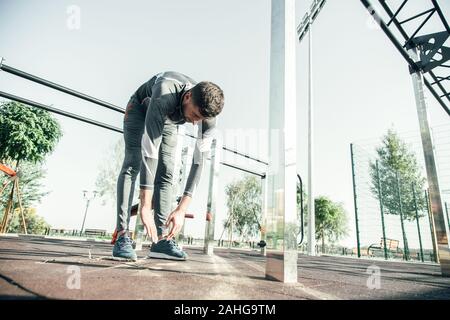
[172, 241]
[124, 241]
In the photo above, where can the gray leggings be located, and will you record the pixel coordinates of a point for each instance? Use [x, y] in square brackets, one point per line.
[163, 197]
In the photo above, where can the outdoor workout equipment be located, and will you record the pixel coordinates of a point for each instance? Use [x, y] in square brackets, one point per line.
[425, 55]
[279, 185]
[112, 128]
[210, 214]
[9, 209]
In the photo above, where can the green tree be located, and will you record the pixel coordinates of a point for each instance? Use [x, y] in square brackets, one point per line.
[331, 220]
[27, 135]
[244, 207]
[394, 156]
[35, 223]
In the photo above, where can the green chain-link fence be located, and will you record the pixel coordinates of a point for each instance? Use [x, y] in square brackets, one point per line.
[391, 197]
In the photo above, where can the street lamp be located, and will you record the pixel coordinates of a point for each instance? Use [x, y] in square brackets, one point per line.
[88, 196]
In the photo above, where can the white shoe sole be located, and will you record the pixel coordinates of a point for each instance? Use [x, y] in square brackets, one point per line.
[159, 255]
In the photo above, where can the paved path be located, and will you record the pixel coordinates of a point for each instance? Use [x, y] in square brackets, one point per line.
[33, 267]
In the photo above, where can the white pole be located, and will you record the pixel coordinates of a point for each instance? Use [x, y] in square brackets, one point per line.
[282, 224]
[311, 207]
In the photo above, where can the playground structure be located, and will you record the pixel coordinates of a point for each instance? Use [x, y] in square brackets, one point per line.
[279, 181]
[9, 208]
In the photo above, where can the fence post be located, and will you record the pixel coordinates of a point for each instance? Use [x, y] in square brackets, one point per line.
[380, 197]
[433, 238]
[417, 221]
[358, 245]
[405, 241]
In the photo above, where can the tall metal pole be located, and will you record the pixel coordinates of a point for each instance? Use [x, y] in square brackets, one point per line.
[216, 147]
[417, 221]
[85, 214]
[405, 241]
[358, 243]
[88, 200]
[311, 206]
[306, 27]
[380, 197]
[430, 164]
[281, 264]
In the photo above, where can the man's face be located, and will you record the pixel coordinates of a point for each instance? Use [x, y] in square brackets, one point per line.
[190, 110]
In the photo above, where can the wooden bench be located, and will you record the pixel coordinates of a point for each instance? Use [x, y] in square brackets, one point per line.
[392, 246]
[95, 232]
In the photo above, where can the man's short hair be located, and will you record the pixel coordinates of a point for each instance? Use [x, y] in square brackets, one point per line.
[209, 98]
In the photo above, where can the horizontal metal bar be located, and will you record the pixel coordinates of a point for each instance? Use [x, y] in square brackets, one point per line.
[418, 15]
[244, 155]
[96, 123]
[83, 96]
[58, 87]
[58, 111]
[225, 148]
[262, 175]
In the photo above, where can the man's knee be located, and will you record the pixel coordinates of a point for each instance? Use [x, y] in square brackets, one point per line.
[131, 163]
[131, 170]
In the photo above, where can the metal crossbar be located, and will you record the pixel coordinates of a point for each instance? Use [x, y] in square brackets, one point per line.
[430, 45]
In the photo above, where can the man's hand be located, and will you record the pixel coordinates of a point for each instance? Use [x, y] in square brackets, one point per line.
[149, 223]
[177, 220]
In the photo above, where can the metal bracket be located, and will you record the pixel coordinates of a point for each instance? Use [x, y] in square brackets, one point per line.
[431, 45]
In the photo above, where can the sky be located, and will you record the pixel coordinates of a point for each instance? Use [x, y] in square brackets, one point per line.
[362, 86]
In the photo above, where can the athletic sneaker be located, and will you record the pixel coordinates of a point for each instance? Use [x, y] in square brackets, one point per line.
[123, 248]
[167, 249]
